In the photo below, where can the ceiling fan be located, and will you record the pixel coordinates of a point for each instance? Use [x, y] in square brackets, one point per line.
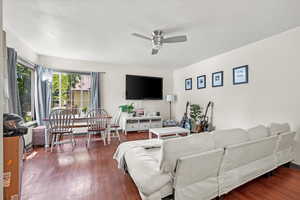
[158, 39]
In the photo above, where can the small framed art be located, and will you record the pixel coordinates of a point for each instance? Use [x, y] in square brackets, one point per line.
[240, 75]
[201, 82]
[188, 84]
[217, 79]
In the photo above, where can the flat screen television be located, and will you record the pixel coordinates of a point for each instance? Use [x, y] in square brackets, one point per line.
[144, 88]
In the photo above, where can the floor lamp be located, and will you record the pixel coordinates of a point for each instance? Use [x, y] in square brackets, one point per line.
[170, 98]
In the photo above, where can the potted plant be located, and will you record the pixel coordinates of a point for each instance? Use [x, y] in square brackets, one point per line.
[195, 114]
[84, 110]
[127, 108]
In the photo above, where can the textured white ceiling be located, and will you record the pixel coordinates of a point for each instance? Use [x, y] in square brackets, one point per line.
[100, 30]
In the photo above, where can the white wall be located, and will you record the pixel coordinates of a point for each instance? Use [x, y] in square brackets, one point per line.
[1, 100]
[114, 81]
[22, 48]
[273, 92]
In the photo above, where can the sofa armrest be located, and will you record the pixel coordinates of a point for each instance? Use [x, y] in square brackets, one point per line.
[286, 140]
[144, 170]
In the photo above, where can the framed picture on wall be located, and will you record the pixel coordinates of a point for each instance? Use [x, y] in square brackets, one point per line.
[188, 84]
[201, 82]
[217, 79]
[240, 75]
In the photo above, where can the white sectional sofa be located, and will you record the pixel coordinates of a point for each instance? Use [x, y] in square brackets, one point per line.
[209, 165]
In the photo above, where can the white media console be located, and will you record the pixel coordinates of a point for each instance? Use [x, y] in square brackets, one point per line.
[140, 123]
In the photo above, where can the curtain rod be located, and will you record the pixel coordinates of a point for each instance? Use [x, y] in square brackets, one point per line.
[74, 71]
[26, 62]
[32, 65]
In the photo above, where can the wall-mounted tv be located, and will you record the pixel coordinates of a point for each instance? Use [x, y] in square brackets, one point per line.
[144, 88]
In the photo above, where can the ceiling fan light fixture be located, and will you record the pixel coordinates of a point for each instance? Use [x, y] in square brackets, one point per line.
[158, 39]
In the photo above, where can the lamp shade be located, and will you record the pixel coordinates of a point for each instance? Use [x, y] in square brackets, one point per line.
[170, 98]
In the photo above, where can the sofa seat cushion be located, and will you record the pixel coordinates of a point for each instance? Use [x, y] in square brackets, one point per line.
[144, 170]
[277, 128]
[258, 132]
[155, 153]
[173, 149]
[228, 137]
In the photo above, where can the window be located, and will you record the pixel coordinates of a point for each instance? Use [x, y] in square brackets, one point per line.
[71, 90]
[25, 83]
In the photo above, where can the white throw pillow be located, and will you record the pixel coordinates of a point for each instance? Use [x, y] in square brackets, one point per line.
[258, 132]
[228, 137]
[277, 128]
[172, 149]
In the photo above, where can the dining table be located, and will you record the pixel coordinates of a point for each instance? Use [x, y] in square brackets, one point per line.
[80, 122]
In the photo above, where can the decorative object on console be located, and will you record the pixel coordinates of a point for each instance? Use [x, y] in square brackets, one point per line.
[201, 82]
[188, 84]
[240, 75]
[170, 98]
[140, 112]
[217, 79]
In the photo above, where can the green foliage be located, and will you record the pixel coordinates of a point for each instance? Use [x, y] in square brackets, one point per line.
[84, 109]
[24, 87]
[195, 112]
[127, 108]
[68, 81]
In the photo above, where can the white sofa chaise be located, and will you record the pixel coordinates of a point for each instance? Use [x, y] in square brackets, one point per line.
[205, 166]
[152, 170]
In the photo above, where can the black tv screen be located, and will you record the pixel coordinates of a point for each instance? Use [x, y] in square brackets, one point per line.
[144, 87]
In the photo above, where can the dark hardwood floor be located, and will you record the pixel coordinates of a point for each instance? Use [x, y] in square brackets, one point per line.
[93, 175]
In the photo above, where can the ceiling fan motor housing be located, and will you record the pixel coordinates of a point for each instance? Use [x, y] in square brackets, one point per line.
[157, 39]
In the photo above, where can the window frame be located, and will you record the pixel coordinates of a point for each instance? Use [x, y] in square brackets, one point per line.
[29, 65]
[60, 72]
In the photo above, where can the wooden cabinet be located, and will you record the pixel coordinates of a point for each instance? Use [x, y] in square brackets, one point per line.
[13, 151]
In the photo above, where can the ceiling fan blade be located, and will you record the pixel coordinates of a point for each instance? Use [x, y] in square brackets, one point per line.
[141, 36]
[174, 39]
[154, 51]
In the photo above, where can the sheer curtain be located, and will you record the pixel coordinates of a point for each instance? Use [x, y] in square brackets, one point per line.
[14, 105]
[95, 90]
[43, 89]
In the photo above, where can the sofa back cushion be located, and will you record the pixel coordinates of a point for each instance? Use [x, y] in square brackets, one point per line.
[241, 154]
[173, 149]
[258, 132]
[277, 128]
[227, 137]
[196, 176]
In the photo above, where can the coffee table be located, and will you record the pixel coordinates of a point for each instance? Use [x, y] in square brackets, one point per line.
[167, 131]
